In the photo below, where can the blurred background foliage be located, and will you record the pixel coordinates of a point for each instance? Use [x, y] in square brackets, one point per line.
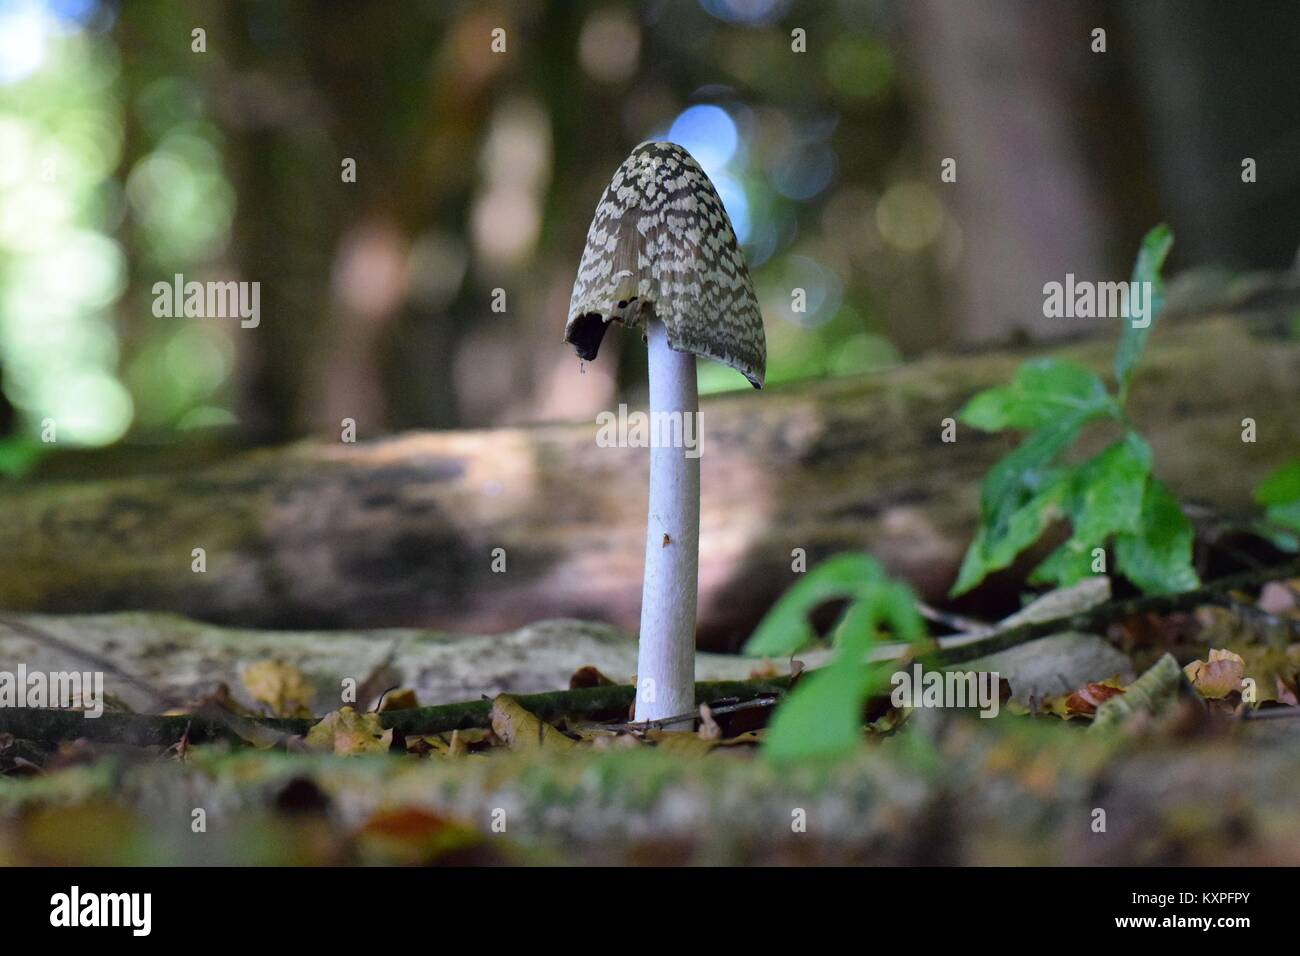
[127, 157]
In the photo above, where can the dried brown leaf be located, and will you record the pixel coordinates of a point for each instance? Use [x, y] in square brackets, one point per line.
[588, 677]
[520, 730]
[348, 733]
[402, 699]
[1217, 676]
[281, 687]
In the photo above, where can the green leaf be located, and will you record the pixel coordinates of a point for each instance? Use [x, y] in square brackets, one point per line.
[1158, 557]
[1024, 473]
[1280, 493]
[822, 716]
[1020, 496]
[1110, 489]
[992, 550]
[1069, 564]
[18, 455]
[1285, 516]
[1281, 487]
[1279, 538]
[1105, 498]
[1042, 390]
[890, 604]
[1150, 259]
[785, 628]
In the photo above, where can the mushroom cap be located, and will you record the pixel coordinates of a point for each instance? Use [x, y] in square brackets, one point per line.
[661, 245]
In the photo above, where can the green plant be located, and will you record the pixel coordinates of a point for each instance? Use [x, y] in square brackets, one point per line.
[822, 716]
[1279, 493]
[851, 576]
[19, 455]
[1109, 498]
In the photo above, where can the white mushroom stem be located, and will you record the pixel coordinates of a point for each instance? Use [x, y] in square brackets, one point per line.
[666, 653]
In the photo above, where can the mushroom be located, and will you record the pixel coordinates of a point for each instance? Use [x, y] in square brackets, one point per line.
[661, 256]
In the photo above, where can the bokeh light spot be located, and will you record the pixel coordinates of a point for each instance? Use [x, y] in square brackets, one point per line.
[909, 216]
[709, 134]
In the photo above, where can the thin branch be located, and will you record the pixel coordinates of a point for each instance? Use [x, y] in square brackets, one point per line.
[714, 709]
[1098, 618]
[1272, 713]
[590, 703]
[48, 726]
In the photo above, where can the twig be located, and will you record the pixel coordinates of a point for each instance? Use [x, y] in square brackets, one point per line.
[714, 709]
[592, 703]
[1272, 713]
[959, 623]
[1097, 618]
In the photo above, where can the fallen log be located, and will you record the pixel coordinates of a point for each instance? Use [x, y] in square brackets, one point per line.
[986, 797]
[156, 661]
[605, 703]
[404, 531]
[162, 661]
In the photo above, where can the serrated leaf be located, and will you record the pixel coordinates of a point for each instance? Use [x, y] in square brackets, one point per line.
[994, 549]
[1158, 557]
[1019, 497]
[1150, 260]
[1111, 487]
[1105, 498]
[1024, 472]
[1042, 390]
[785, 629]
[1066, 566]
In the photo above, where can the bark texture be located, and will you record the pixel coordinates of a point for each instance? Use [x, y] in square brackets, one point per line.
[162, 660]
[403, 531]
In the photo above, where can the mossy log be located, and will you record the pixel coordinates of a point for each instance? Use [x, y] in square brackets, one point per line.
[403, 531]
[958, 792]
[154, 661]
[610, 702]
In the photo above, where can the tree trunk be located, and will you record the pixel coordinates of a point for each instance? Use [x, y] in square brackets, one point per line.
[405, 531]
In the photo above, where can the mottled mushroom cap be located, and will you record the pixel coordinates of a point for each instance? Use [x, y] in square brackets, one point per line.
[661, 245]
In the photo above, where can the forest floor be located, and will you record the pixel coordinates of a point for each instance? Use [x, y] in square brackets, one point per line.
[1157, 725]
[1133, 746]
